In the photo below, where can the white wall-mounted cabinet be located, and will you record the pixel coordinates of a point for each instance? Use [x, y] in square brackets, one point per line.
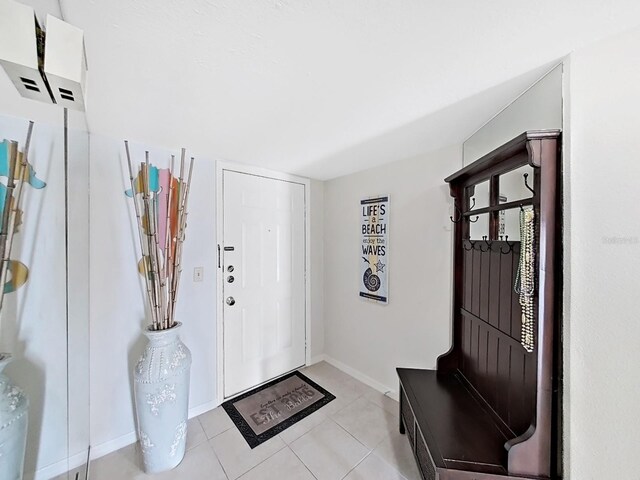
[19, 50]
[64, 63]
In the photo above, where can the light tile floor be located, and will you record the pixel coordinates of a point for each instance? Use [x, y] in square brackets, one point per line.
[355, 437]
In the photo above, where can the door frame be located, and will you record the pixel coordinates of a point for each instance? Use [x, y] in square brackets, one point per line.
[221, 166]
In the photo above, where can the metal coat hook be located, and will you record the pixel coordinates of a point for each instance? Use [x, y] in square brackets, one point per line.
[471, 208]
[487, 243]
[509, 245]
[459, 214]
[526, 175]
[506, 239]
[471, 244]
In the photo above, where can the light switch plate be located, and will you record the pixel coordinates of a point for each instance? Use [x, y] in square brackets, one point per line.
[198, 274]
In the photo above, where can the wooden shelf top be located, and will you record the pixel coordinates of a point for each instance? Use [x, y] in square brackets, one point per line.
[499, 155]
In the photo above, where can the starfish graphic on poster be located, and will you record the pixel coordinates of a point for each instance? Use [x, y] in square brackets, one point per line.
[374, 272]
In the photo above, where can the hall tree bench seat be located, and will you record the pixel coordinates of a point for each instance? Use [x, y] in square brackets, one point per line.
[492, 408]
[448, 429]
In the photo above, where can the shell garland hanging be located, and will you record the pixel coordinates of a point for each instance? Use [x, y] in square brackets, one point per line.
[160, 201]
[525, 279]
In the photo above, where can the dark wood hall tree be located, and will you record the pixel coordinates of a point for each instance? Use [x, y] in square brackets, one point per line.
[489, 410]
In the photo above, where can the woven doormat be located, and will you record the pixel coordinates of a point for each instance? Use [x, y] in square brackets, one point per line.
[273, 407]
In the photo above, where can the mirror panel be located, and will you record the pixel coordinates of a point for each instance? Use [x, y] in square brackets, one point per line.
[480, 195]
[480, 228]
[540, 107]
[512, 186]
[45, 323]
[510, 224]
[33, 328]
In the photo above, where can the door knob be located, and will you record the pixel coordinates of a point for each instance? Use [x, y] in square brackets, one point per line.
[230, 279]
[230, 301]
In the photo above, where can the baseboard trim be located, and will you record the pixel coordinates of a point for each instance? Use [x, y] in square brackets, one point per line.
[318, 358]
[111, 446]
[204, 408]
[131, 437]
[358, 375]
[58, 468]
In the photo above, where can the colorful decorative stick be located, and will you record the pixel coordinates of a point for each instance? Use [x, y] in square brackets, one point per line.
[10, 214]
[160, 202]
[141, 235]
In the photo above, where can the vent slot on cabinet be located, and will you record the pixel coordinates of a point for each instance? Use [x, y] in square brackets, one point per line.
[30, 84]
[66, 94]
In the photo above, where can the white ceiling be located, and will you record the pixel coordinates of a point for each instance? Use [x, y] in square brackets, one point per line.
[324, 87]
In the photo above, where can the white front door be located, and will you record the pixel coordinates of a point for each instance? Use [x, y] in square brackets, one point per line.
[263, 262]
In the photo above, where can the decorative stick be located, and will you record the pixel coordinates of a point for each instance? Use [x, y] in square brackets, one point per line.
[157, 257]
[146, 218]
[13, 155]
[20, 169]
[175, 269]
[167, 236]
[6, 216]
[150, 241]
[176, 241]
[167, 241]
[155, 247]
[163, 269]
[182, 228]
[140, 226]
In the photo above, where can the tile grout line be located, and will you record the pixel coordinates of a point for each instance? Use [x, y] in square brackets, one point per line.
[217, 458]
[342, 428]
[395, 467]
[205, 431]
[261, 462]
[348, 433]
[302, 461]
[224, 470]
[356, 465]
[372, 451]
[379, 458]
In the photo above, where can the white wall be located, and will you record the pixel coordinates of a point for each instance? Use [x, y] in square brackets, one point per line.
[117, 296]
[316, 212]
[414, 328]
[602, 260]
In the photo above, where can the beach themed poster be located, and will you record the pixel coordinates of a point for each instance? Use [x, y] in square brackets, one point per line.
[374, 265]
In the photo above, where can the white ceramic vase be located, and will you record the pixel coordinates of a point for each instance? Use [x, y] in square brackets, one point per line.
[162, 399]
[14, 407]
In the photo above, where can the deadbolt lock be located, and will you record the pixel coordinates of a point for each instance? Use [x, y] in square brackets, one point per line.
[230, 268]
[230, 279]
[230, 301]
